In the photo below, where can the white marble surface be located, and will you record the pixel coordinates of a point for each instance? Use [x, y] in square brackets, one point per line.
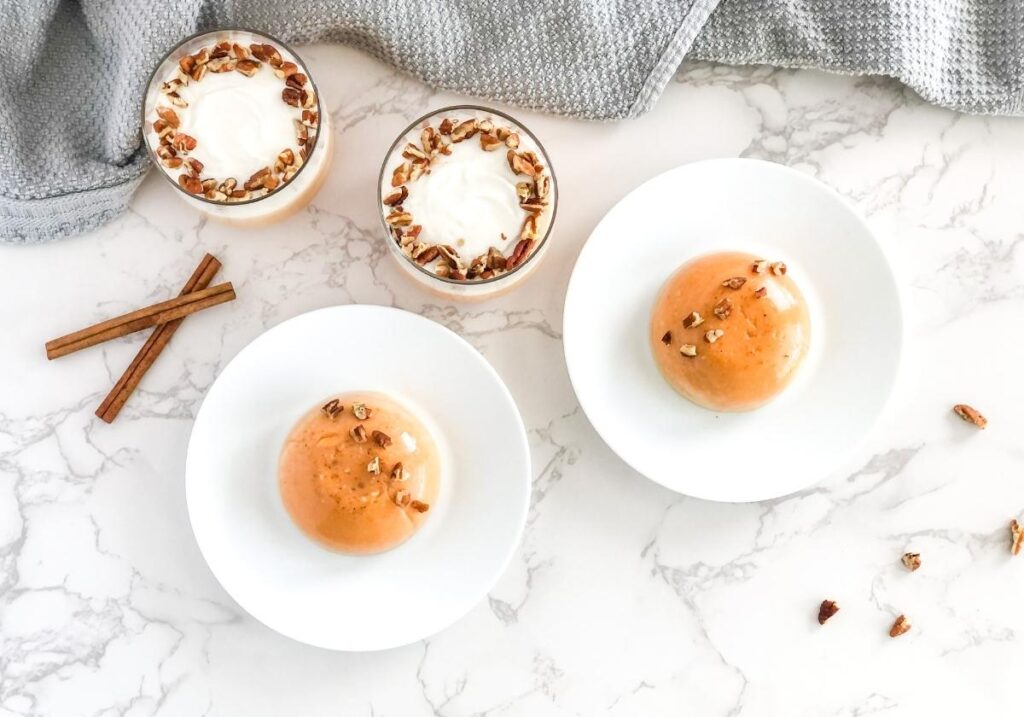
[624, 599]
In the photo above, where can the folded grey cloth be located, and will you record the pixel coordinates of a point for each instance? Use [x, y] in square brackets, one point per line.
[75, 70]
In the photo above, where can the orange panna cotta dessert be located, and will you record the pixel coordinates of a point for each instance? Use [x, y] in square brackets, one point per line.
[359, 473]
[729, 330]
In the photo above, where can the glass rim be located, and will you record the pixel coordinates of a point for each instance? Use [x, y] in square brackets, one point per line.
[149, 85]
[419, 267]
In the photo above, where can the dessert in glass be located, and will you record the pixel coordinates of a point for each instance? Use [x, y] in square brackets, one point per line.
[729, 330]
[359, 473]
[467, 198]
[234, 121]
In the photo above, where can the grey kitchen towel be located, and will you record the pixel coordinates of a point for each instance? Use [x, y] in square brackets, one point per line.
[75, 70]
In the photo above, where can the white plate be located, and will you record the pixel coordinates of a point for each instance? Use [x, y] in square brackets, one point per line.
[857, 329]
[325, 598]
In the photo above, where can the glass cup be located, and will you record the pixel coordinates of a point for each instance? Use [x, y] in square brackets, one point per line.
[249, 201]
[424, 252]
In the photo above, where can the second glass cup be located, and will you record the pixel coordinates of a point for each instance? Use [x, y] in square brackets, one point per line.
[467, 198]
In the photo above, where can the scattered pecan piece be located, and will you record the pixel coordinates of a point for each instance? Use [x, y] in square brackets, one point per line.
[723, 309]
[759, 293]
[419, 506]
[713, 335]
[361, 411]
[446, 126]
[358, 433]
[292, 96]
[688, 350]
[396, 197]
[332, 409]
[970, 415]
[778, 268]
[912, 561]
[900, 626]
[827, 609]
[512, 140]
[734, 283]
[464, 130]
[374, 466]
[401, 174]
[402, 498]
[667, 338]
[759, 266]
[398, 218]
[190, 184]
[381, 439]
[399, 473]
[694, 319]
[489, 143]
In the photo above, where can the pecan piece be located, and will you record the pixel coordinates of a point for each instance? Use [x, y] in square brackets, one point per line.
[190, 184]
[358, 433]
[419, 506]
[759, 293]
[374, 466]
[900, 626]
[361, 411]
[911, 561]
[667, 338]
[759, 266]
[332, 409]
[779, 268]
[169, 116]
[381, 438]
[489, 142]
[512, 140]
[396, 197]
[464, 130]
[446, 127]
[723, 309]
[970, 415]
[713, 335]
[734, 283]
[694, 319]
[688, 350]
[399, 473]
[402, 498]
[292, 96]
[401, 174]
[248, 67]
[398, 218]
[827, 609]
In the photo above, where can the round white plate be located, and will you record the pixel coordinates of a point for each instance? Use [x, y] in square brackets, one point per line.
[856, 331]
[324, 598]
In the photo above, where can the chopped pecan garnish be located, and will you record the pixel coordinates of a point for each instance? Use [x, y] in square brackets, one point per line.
[358, 433]
[398, 218]
[399, 473]
[688, 350]
[911, 561]
[419, 506]
[694, 319]
[332, 409]
[374, 466]
[396, 197]
[759, 266]
[381, 438]
[464, 130]
[713, 335]
[827, 609]
[667, 338]
[361, 411]
[900, 626]
[489, 143]
[970, 415]
[778, 268]
[402, 498]
[734, 283]
[723, 309]
[759, 293]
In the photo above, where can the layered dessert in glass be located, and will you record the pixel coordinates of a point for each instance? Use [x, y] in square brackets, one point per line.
[467, 199]
[234, 121]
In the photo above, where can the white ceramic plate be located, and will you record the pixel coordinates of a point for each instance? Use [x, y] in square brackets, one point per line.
[324, 598]
[842, 388]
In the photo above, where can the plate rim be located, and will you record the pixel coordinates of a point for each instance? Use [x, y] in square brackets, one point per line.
[898, 313]
[521, 510]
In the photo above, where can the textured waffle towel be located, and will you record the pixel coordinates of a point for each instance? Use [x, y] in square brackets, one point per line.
[75, 70]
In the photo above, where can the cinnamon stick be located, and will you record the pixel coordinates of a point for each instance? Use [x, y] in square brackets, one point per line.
[155, 344]
[140, 319]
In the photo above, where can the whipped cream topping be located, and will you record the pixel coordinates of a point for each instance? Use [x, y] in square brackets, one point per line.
[468, 201]
[240, 123]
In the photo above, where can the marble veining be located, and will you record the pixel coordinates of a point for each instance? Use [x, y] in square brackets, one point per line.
[624, 599]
